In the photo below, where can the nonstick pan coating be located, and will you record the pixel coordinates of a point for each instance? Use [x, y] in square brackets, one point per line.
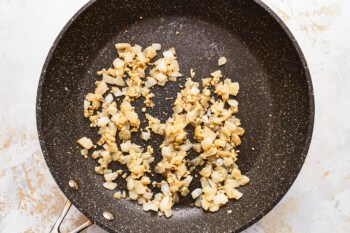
[276, 101]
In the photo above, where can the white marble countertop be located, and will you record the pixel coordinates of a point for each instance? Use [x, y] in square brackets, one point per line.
[319, 200]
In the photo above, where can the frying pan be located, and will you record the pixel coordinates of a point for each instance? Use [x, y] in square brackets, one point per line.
[276, 102]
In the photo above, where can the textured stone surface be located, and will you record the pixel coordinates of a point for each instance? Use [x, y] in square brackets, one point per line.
[23, 165]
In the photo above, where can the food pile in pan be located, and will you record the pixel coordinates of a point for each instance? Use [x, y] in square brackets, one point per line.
[206, 104]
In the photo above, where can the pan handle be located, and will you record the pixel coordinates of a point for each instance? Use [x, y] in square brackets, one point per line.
[56, 227]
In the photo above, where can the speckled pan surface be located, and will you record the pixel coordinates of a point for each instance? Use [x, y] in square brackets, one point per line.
[276, 101]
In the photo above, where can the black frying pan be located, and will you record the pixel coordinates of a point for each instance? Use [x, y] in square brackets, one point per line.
[276, 101]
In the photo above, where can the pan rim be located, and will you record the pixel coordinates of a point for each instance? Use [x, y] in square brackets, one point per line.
[307, 142]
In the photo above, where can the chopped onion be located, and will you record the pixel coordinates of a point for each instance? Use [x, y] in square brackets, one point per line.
[207, 144]
[109, 99]
[214, 208]
[119, 81]
[150, 83]
[109, 185]
[148, 195]
[165, 189]
[150, 206]
[86, 104]
[117, 92]
[122, 46]
[139, 187]
[130, 184]
[222, 61]
[232, 102]
[168, 213]
[85, 142]
[216, 130]
[168, 55]
[166, 151]
[111, 176]
[108, 79]
[103, 121]
[165, 204]
[145, 136]
[162, 66]
[133, 195]
[156, 46]
[118, 63]
[196, 193]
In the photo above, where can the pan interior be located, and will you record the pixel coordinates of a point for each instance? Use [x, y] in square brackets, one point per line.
[274, 102]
